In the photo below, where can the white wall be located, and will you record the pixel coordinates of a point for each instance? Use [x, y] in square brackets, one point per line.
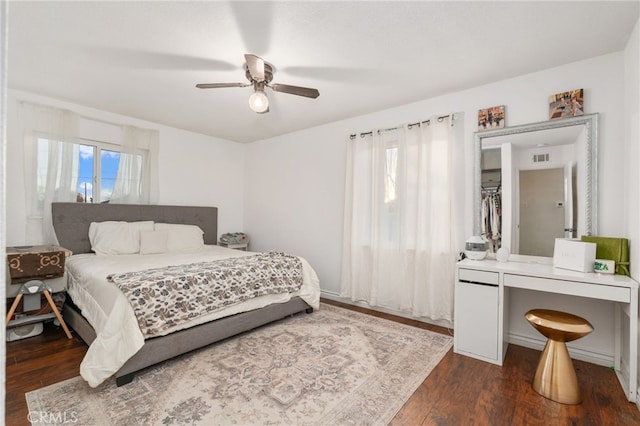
[631, 112]
[632, 149]
[194, 169]
[294, 183]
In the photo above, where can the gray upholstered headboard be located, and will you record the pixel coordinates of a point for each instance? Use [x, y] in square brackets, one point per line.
[71, 220]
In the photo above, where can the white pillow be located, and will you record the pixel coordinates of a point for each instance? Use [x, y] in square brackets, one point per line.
[153, 242]
[182, 238]
[112, 238]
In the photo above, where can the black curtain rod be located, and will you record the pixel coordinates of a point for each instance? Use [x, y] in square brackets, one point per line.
[410, 126]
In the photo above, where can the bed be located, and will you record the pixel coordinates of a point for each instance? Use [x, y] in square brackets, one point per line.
[119, 350]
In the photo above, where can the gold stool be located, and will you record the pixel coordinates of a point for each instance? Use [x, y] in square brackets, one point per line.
[555, 377]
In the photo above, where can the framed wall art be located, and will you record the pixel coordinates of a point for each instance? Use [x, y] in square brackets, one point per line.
[491, 118]
[566, 104]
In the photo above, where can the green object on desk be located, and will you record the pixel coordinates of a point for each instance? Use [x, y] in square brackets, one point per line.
[616, 249]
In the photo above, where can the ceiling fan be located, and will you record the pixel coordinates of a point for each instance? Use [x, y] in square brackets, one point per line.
[259, 73]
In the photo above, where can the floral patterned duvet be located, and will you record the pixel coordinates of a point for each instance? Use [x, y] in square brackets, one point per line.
[162, 298]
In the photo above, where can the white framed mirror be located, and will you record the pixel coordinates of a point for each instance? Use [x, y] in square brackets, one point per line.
[539, 181]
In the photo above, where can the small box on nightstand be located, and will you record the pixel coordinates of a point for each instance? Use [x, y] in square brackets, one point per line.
[234, 240]
[45, 262]
[36, 262]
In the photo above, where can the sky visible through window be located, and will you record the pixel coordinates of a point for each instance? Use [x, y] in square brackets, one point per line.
[109, 168]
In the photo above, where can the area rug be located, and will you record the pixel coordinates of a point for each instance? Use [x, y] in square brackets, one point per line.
[332, 367]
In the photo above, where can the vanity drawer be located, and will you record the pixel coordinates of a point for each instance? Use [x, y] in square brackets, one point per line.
[574, 288]
[476, 276]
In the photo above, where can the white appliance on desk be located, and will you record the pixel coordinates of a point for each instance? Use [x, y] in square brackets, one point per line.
[482, 308]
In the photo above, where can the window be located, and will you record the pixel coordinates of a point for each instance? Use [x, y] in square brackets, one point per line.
[85, 178]
[109, 161]
[86, 171]
[390, 174]
[67, 160]
[401, 218]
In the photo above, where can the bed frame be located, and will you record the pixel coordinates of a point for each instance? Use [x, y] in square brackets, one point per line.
[71, 223]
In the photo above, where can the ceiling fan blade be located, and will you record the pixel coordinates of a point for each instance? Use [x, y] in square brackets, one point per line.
[219, 85]
[296, 90]
[126, 58]
[255, 65]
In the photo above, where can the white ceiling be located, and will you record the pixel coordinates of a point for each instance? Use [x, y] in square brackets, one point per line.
[142, 59]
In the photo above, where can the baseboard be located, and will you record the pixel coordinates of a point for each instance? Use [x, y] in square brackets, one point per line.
[606, 360]
[336, 297]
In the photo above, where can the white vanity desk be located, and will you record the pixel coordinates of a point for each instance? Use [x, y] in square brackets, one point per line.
[482, 307]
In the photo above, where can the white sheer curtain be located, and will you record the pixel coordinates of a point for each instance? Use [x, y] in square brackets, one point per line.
[399, 227]
[134, 179]
[58, 181]
[52, 164]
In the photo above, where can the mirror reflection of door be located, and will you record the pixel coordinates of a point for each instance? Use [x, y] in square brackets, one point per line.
[542, 210]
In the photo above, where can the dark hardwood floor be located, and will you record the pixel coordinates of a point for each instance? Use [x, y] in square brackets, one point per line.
[459, 391]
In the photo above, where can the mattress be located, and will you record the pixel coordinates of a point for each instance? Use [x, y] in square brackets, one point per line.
[107, 309]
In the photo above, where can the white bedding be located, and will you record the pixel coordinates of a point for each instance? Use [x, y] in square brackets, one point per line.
[109, 312]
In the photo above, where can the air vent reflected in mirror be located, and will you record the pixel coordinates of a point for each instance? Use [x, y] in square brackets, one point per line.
[541, 158]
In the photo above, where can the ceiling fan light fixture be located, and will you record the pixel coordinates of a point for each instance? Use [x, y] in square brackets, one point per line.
[260, 73]
[258, 102]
